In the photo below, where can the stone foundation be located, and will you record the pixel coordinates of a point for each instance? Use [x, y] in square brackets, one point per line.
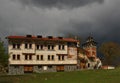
[70, 67]
[40, 68]
[18, 70]
[13, 70]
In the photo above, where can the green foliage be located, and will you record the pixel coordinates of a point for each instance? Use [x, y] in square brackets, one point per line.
[3, 55]
[111, 52]
[85, 76]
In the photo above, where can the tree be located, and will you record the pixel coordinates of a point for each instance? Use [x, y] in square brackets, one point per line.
[111, 52]
[3, 55]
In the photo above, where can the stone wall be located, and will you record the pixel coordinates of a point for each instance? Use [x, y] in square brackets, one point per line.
[18, 70]
[39, 69]
[13, 70]
[70, 67]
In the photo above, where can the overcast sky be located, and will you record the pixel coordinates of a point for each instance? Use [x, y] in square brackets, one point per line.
[60, 17]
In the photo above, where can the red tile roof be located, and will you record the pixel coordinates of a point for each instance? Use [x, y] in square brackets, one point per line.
[43, 38]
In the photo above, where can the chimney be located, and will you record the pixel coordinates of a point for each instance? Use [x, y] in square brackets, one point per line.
[60, 37]
[50, 37]
[39, 36]
[29, 36]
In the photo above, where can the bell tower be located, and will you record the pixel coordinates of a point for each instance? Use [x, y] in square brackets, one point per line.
[91, 47]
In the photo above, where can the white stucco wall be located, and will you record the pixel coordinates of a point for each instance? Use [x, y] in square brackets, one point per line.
[45, 52]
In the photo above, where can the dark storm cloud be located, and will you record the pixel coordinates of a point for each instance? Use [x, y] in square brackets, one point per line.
[59, 3]
[79, 17]
[102, 22]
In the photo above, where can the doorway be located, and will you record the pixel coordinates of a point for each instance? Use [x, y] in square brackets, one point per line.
[60, 68]
[28, 69]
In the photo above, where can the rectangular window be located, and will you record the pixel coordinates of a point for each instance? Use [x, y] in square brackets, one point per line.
[30, 46]
[59, 47]
[26, 46]
[18, 46]
[37, 57]
[48, 57]
[52, 47]
[37, 46]
[30, 57]
[14, 46]
[41, 57]
[63, 47]
[26, 57]
[48, 47]
[14, 57]
[62, 57]
[58, 57]
[41, 47]
[18, 57]
[52, 57]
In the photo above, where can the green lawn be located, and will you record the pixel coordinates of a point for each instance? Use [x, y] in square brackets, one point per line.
[85, 76]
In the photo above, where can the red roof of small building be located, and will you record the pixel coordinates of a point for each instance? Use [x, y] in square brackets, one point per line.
[43, 38]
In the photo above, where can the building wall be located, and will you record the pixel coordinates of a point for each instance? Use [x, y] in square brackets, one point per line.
[92, 51]
[45, 52]
[70, 53]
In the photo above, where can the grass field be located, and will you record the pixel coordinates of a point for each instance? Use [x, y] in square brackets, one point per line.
[85, 76]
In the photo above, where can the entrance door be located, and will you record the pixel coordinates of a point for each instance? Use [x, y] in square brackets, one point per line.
[60, 68]
[28, 69]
